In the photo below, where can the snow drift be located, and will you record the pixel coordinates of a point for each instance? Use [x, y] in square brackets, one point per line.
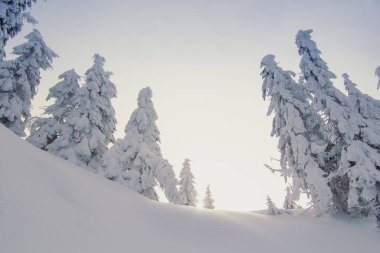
[50, 205]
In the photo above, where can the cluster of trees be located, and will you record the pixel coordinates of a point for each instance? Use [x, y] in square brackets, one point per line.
[329, 141]
[80, 123]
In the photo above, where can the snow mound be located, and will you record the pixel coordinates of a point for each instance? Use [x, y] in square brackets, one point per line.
[50, 205]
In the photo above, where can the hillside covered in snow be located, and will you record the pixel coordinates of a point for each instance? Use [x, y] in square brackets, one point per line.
[50, 205]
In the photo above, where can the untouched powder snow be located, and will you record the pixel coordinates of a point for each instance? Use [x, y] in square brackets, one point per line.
[49, 205]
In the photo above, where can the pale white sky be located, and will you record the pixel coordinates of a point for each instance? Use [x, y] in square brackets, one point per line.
[202, 60]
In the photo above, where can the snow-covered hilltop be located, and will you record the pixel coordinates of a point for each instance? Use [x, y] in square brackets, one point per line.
[50, 205]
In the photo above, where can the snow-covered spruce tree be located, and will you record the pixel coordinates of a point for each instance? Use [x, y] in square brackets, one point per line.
[208, 201]
[136, 161]
[271, 207]
[90, 125]
[340, 123]
[44, 130]
[19, 79]
[352, 160]
[12, 14]
[187, 194]
[377, 73]
[299, 143]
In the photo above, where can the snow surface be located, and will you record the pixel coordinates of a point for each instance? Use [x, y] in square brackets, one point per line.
[50, 205]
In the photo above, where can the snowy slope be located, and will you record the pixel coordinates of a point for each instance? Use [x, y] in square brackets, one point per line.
[49, 205]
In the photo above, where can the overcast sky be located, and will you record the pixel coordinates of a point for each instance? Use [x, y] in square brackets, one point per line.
[202, 60]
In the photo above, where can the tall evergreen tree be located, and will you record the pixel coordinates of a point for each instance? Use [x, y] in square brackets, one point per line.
[90, 125]
[298, 144]
[12, 14]
[19, 79]
[44, 130]
[136, 161]
[341, 125]
[355, 176]
[208, 201]
[347, 153]
[187, 194]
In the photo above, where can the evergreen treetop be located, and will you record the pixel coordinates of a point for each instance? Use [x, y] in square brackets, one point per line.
[45, 130]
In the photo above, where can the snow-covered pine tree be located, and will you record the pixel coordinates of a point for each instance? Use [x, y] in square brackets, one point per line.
[19, 79]
[208, 201]
[272, 209]
[377, 73]
[298, 144]
[136, 161]
[90, 125]
[352, 158]
[187, 194]
[345, 138]
[44, 130]
[12, 14]
[341, 124]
